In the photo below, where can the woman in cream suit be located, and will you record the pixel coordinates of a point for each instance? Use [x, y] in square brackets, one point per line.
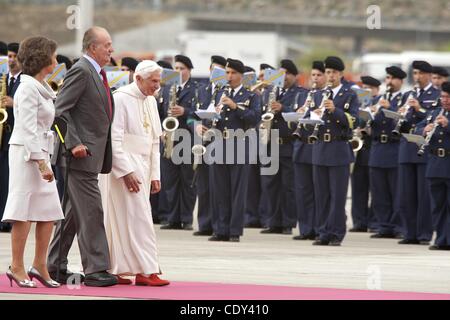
[32, 196]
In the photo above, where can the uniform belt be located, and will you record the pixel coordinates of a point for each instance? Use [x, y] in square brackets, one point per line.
[440, 152]
[285, 140]
[328, 137]
[306, 140]
[385, 138]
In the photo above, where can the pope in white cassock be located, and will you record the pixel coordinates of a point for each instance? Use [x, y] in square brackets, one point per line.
[135, 134]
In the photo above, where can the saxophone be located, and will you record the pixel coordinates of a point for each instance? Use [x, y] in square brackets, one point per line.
[3, 113]
[170, 124]
[267, 118]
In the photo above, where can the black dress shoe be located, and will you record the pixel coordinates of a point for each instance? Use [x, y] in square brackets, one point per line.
[272, 230]
[172, 226]
[321, 243]
[203, 233]
[255, 225]
[286, 231]
[234, 239]
[65, 276]
[305, 237]
[216, 237]
[335, 243]
[409, 241]
[187, 226]
[383, 236]
[100, 279]
[358, 229]
[439, 247]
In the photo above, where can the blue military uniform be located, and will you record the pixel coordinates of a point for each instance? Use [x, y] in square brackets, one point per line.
[160, 205]
[362, 214]
[205, 95]
[303, 176]
[438, 178]
[383, 165]
[4, 150]
[256, 209]
[414, 197]
[177, 179]
[279, 188]
[331, 158]
[230, 181]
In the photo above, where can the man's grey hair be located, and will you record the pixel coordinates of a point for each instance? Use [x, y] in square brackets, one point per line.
[91, 37]
[145, 69]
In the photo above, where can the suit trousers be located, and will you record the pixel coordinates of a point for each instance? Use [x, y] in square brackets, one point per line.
[83, 218]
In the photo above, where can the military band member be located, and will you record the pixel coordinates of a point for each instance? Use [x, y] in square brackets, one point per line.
[129, 64]
[383, 161]
[279, 187]
[439, 76]
[362, 214]
[332, 155]
[302, 160]
[230, 180]
[414, 198]
[159, 203]
[206, 93]
[12, 83]
[438, 169]
[255, 211]
[177, 179]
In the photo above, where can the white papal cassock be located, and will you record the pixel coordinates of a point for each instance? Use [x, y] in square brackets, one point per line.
[136, 130]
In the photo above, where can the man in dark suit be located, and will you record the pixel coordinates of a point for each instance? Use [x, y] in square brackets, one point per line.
[85, 103]
[12, 83]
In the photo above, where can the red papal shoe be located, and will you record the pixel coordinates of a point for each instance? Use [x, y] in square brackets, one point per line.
[152, 280]
[122, 280]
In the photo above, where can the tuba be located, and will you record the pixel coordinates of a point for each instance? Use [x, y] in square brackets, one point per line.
[3, 112]
[267, 118]
[170, 124]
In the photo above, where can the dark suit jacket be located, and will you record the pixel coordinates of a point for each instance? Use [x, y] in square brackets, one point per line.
[10, 121]
[83, 103]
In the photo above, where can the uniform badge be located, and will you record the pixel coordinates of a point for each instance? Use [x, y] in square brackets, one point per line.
[247, 102]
